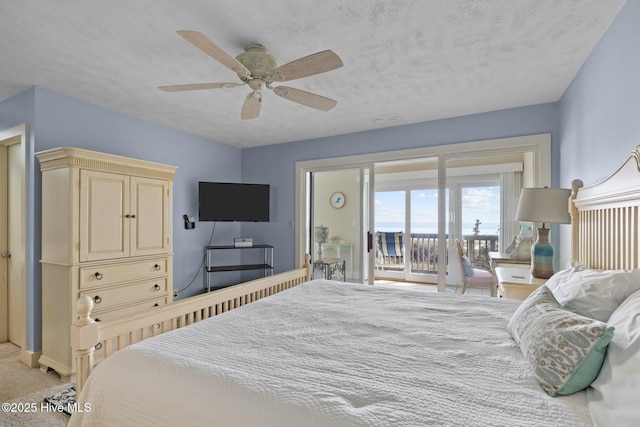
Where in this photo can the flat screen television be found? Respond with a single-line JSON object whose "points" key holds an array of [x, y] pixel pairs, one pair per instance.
{"points": [[223, 201]]}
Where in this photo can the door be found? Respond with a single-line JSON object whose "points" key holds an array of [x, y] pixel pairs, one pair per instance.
{"points": [[12, 237], [105, 216], [414, 213], [407, 203], [338, 223], [476, 211], [15, 267], [149, 216]]}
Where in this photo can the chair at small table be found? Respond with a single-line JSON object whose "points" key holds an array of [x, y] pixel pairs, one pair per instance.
{"points": [[472, 276]]}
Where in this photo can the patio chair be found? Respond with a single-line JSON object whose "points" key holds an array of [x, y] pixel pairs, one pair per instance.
{"points": [[391, 248], [472, 276]]}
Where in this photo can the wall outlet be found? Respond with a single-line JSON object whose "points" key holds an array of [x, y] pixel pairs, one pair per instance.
{"points": [[175, 293]]}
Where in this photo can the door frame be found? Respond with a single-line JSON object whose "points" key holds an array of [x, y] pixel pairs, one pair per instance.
{"points": [[539, 147], [14, 136]]}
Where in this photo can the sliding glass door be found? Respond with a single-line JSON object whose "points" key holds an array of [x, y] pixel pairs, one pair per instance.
{"points": [[423, 234], [409, 203], [477, 204], [411, 214], [423, 200], [390, 230], [338, 222]]}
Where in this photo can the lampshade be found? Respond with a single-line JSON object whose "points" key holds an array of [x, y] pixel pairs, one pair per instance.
{"points": [[322, 234], [544, 205]]}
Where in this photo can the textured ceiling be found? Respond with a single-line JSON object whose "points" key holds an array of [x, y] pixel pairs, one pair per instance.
{"points": [[405, 61]]}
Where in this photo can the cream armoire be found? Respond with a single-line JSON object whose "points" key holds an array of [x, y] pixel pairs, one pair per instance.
{"points": [[106, 233]]}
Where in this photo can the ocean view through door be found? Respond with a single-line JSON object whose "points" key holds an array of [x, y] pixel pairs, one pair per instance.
{"points": [[474, 185], [410, 218], [414, 214]]}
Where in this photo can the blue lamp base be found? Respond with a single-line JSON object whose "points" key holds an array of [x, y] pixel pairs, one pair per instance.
{"points": [[542, 253]]}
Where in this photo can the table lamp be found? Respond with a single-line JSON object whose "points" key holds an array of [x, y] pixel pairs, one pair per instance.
{"points": [[545, 205], [322, 236]]}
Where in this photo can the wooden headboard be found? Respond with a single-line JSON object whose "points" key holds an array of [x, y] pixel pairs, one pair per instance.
{"points": [[604, 219]]}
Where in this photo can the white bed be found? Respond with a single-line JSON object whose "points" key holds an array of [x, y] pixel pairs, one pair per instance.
{"points": [[326, 353], [333, 354]]}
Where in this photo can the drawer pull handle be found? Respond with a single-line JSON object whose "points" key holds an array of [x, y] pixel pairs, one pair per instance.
{"points": [[97, 299], [133, 216], [98, 346], [156, 305], [97, 319], [156, 287], [98, 275], [157, 267]]}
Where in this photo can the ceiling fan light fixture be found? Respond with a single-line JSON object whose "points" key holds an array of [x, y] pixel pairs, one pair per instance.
{"points": [[257, 60], [256, 84]]}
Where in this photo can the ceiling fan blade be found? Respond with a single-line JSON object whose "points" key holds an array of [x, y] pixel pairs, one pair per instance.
{"points": [[251, 107], [316, 63], [199, 86], [200, 41], [305, 98]]}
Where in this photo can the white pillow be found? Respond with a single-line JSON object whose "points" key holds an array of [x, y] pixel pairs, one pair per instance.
{"points": [[593, 293], [613, 398]]}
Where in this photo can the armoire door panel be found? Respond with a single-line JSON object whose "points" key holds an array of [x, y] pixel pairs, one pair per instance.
{"points": [[104, 215], [149, 228]]}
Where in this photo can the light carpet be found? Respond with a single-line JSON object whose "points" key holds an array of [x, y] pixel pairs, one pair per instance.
{"points": [[23, 413], [22, 385]]}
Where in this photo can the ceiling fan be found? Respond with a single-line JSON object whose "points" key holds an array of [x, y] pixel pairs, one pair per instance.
{"points": [[258, 69]]}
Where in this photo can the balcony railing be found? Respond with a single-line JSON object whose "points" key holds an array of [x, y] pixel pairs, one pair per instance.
{"points": [[422, 248]]}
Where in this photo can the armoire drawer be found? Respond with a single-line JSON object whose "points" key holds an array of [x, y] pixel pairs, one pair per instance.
{"points": [[117, 295], [129, 310], [101, 275]]}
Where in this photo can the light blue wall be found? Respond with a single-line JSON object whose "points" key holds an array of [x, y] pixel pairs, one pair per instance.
{"points": [[18, 109], [55, 120], [64, 121], [600, 111], [275, 164]]}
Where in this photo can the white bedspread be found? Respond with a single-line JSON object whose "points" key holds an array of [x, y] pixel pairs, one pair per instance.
{"points": [[332, 354]]}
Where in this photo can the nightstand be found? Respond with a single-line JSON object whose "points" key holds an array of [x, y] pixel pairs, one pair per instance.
{"points": [[501, 259], [516, 283]]}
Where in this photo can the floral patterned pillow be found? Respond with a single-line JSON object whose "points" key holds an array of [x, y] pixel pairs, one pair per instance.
{"points": [[566, 350]]}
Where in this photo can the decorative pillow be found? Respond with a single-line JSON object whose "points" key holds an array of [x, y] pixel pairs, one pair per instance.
{"points": [[566, 350], [593, 293], [613, 398], [467, 266]]}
